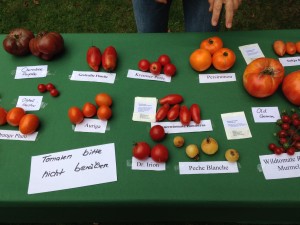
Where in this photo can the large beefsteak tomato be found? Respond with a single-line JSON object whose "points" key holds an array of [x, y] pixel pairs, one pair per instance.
{"points": [[262, 77], [291, 87]]}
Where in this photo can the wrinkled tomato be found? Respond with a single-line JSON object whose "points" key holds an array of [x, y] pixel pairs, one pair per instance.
{"points": [[291, 87]]}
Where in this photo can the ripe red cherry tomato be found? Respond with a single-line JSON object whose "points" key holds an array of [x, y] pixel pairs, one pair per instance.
{"points": [[160, 153], [141, 150], [164, 59], [54, 92], [157, 133], [155, 68], [42, 88], [144, 65], [169, 69], [50, 86]]}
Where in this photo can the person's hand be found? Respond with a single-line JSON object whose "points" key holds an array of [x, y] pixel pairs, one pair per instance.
{"points": [[215, 6], [162, 1]]}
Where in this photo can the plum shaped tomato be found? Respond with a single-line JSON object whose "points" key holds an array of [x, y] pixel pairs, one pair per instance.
{"points": [[14, 116], [75, 115], [29, 124]]}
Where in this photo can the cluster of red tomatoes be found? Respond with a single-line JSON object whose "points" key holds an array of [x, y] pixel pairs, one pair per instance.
{"points": [[48, 87], [17, 117], [212, 52], [280, 47], [103, 112]]}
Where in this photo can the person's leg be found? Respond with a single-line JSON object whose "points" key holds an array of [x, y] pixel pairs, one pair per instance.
{"points": [[151, 16], [197, 18]]}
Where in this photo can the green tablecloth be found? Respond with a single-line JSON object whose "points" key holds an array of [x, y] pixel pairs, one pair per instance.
{"points": [[145, 195]]}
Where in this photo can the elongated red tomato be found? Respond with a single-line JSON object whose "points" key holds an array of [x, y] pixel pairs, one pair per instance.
{"points": [[93, 58], [29, 124], [173, 112], [109, 59], [195, 113], [184, 115], [162, 112], [171, 99]]}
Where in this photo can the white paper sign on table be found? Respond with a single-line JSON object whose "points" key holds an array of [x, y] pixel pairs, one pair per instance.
{"points": [[91, 76], [17, 135], [136, 74], [177, 127], [265, 114], [213, 167], [251, 52], [73, 168], [30, 103], [217, 78], [290, 61], [280, 166], [147, 164], [91, 125], [144, 109], [24, 72]]}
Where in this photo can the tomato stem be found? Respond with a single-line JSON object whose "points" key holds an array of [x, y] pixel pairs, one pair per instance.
{"points": [[268, 71]]}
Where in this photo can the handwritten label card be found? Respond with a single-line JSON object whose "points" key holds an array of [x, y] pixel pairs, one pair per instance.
{"points": [[144, 109], [147, 164], [217, 78], [17, 135], [265, 114], [207, 167], [136, 74], [280, 166], [24, 72], [92, 126], [236, 126], [251, 52], [91, 76], [290, 61], [177, 127], [30, 103], [73, 168]]}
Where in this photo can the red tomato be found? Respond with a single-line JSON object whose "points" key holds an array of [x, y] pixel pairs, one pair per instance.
{"points": [[195, 113], [144, 65], [291, 87], [290, 48], [93, 58], [141, 150], [104, 112], [42, 88], [157, 133], [164, 59], [109, 59], [14, 116], [298, 46], [159, 153], [169, 69], [162, 112], [54, 92], [155, 68], [262, 77], [29, 124], [223, 59], [103, 99], [184, 115], [279, 47], [171, 99], [75, 115], [173, 112], [212, 44], [200, 60], [89, 109], [3, 114], [50, 86]]}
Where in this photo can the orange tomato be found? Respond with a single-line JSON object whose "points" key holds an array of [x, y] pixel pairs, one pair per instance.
{"points": [[75, 115], [290, 48], [103, 99], [212, 44], [279, 47], [104, 112], [3, 114], [298, 46], [223, 59], [14, 116], [29, 124], [89, 109], [200, 59]]}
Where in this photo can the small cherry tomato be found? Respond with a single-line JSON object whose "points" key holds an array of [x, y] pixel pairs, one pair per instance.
{"points": [[173, 112], [14, 116], [42, 88], [50, 86], [54, 92], [89, 109], [162, 112], [75, 115], [29, 124], [104, 112], [169, 69], [144, 65], [195, 113], [159, 153], [3, 114], [164, 59], [171, 99], [141, 150], [155, 68], [184, 115], [157, 133]]}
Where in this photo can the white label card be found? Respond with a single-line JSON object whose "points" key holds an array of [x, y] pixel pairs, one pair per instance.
{"points": [[217, 78], [236, 126], [136, 74], [207, 167], [91, 76], [177, 127], [290, 61], [72, 168], [251, 52], [17, 135], [280, 166], [30, 103], [147, 164], [24, 72], [265, 114], [144, 109], [91, 125]]}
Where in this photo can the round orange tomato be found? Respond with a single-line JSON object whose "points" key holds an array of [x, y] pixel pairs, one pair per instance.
{"points": [[104, 112], [29, 124], [262, 77], [3, 114], [291, 87], [212, 44], [200, 59], [75, 115], [14, 116], [298, 46], [223, 59], [89, 109], [103, 99], [290, 48]]}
